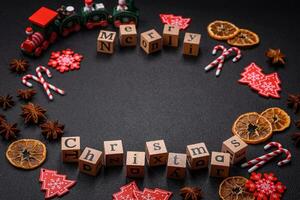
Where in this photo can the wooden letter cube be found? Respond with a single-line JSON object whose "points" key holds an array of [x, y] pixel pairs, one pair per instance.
{"points": [[156, 153], [176, 166], [113, 153], [236, 147], [106, 41], [70, 149], [127, 35], [151, 41], [191, 44], [219, 164], [197, 156], [135, 164], [90, 161], [170, 35]]}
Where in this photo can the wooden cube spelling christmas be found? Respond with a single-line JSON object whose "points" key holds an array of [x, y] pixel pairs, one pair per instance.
{"points": [[151, 41], [156, 153], [236, 147], [135, 164], [70, 149], [90, 161], [106, 41], [197, 156], [219, 164], [127, 35], [113, 153], [176, 166], [191, 44], [170, 35]]}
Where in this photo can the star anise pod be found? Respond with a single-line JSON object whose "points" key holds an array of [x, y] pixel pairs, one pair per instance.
{"points": [[19, 65], [52, 129], [191, 193], [9, 131], [296, 138], [293, 101], [26, 94], [33, 113], [275, 56], [6, 102]]}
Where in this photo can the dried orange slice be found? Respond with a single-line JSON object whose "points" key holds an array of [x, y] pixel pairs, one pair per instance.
{"points": [[26, 153], [233, 188], [222, 30], [279, 119], [252, 128], [244, 38]]}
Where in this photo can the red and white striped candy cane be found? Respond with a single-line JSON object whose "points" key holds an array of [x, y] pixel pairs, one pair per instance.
{"points": [[221, 59], [287, 159], [273, 144], [281, 163], [265, 157], [39, 78], [216, 61]]}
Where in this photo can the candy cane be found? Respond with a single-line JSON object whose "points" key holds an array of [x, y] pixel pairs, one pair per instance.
{"points": [[221, 59], [260, 161], [39, 78]]}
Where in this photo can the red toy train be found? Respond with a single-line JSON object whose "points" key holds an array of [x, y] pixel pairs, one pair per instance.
{"points": [[47, 24]]}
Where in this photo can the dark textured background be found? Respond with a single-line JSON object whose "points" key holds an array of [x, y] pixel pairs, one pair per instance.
{"points": [[135, 97]]}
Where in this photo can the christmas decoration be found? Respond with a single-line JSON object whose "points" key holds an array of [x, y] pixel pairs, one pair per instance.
{"points": [[179, 21], [54, 184], [26, 94], [8, 131], [275, 56], [191, 193], [65, 60], [265, 186], [39, 78]]}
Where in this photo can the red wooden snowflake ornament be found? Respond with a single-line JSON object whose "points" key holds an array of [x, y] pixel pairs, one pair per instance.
{"points": [[179, 21], [65, 60], [265, 187]]}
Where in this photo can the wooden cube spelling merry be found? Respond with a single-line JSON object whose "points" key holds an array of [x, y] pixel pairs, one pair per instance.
{"points": [[197, 156], [106, 41], [151, 41], [113, 153], [90, 161], [170, 35], [127, 35], [236, 147], [191, 44], [219, 164], [70, 149], [135, 164], [176, 166], [156, 153]]}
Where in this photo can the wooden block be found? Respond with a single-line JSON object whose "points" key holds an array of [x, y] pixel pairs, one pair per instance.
{"points": [[156, 153], [90, 161], [191, 44], [113, 153], [176, 165], [151, 41], [70, 149], [219, 164], [135, 164], [127, 35], [236, 147], [197, 156], [106, 41], [170, 35]]}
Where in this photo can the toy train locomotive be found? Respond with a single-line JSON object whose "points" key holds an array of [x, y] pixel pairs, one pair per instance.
{"points": [[47, 24]]}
